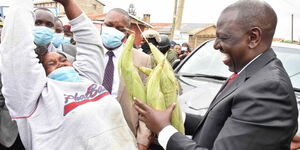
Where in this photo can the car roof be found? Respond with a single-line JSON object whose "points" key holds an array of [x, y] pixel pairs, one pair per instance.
{"points": [[287, 45]]}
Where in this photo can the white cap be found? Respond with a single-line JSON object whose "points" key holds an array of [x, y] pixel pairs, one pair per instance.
{"points": [[151, 34]]}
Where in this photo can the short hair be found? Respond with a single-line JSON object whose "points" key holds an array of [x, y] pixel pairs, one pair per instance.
{"points": [[121, 11], [255, 13]]}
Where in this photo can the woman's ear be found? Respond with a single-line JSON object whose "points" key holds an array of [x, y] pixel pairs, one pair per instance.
{"points": [[254, 37]]}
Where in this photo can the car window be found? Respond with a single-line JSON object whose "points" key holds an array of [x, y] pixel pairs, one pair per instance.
{"points": [[290, 58], [206, 61]]}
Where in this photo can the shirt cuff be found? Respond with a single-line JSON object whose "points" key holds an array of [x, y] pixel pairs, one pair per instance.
{"points": [[183, 114], [165, 134]]}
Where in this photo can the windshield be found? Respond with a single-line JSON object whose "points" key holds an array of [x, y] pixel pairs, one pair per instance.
{"points": [[208, 61]]}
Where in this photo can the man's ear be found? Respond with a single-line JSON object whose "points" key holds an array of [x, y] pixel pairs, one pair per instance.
{"points": [[254, 37]]}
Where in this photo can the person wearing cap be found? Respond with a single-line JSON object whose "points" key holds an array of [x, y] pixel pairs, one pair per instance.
{"points": [[164, 46], [151, 36]]}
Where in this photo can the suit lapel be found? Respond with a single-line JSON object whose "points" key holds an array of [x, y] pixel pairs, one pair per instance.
{"points": [[254, 67], [228, 90]]}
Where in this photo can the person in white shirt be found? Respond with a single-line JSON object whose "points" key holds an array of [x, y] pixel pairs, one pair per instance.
{"points": [[56, 104]]}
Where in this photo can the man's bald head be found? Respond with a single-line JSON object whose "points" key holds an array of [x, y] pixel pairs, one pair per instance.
{"points": [[117, 18], [255, 13]]}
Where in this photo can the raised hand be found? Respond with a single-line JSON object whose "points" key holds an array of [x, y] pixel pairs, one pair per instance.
{"points": [[71, 8]]}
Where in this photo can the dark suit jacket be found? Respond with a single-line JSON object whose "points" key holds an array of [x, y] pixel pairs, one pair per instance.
{"points": [[8, 128], [257, 111]]}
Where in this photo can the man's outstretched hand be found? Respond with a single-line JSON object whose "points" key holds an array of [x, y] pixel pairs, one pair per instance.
{"points": [[155, 120]]}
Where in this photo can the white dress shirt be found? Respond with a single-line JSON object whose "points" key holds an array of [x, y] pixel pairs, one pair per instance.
{"points": [[116, 80], [166, 133]]}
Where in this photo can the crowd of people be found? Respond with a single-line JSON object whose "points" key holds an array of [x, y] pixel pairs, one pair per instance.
{"points": [[61, 89], [172, 49]]}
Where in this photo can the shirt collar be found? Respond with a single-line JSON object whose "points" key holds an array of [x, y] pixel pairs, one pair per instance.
{"points": [[117, 51], [248, 64]]}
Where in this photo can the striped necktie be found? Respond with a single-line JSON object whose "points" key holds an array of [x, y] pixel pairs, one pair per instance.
{"points": [[231, 78], [109, 72]]}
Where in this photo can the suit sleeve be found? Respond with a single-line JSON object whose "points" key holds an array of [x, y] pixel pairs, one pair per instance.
{"points": [[262, 118]]}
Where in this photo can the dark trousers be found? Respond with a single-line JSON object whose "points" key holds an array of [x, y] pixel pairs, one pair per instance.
{"points": [[16, 146]]}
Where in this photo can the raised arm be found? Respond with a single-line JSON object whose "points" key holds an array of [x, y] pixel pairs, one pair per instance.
{"points": [[89, 58], [22, 76]]}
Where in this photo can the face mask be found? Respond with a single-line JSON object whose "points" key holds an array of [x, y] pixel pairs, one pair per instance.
{"points": [[111, 37], [184, 49], [42, 35], [66, 40], [67, 74], [57, 39]]}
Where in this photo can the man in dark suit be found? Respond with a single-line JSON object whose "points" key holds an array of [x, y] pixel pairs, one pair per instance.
{"points": [[256, 108]]}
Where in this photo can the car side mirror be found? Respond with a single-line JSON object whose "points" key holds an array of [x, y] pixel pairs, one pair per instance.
{"points": [[175, 63]]}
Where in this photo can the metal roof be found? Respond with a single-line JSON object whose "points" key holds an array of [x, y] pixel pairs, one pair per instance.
{"points": [[190, 28]]}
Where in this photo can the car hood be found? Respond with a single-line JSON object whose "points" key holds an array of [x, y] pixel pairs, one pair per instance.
{"points": [[197, 93]]}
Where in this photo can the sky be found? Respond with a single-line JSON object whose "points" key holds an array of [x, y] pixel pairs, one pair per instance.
{"points": [[208, 11]]}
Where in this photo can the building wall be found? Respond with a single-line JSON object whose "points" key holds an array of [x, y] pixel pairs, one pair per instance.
{"points": [[91, 7], [197, 39]]}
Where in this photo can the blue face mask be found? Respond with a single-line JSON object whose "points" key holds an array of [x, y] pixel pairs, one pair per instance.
{"points": [[42, 35], [184, 49], [66, 40], [111, 37], [57, 39], [67, 74]]}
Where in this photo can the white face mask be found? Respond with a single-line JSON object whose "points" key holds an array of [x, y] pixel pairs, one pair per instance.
{"points": [[111, 37], [184, 49]]}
